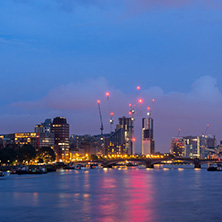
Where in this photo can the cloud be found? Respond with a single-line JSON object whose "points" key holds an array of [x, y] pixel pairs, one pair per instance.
{"points": [[189, 111], [129, 5], [205, 89], [10, 40], [78, 95]]}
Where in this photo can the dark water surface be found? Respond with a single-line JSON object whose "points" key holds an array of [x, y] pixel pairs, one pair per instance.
{"points": [[113, 195]]}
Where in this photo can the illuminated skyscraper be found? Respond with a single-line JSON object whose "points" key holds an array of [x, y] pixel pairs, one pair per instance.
{"points": [[60, 128], [148, 143]]}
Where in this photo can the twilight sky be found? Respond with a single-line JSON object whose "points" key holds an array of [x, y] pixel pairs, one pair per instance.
{"points": [[57, 57]]}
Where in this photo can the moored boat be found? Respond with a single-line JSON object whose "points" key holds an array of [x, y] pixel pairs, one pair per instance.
{"points": [[81, 166], [33, 170], [95, 166], [214, 167], [69, 167]]}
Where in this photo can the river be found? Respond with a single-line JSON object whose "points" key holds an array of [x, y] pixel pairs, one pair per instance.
{"points": [[108, 195]]}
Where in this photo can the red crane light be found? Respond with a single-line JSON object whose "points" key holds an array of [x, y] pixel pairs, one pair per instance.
{"points": [[107, 94], [98, 101], [130, 113], [130, 105], [133, 139], [138, 87], [111, 114], [140, 101], [148, 108], [153, 100]]}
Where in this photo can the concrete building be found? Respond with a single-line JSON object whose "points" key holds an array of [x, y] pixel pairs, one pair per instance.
{"points": [[178, 147], [60, 129], [121, 141], [27, 138], [87, 144], [193, 146], [46, 137]]}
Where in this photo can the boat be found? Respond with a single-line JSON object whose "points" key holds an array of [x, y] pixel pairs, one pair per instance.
{"points": [[215, 167], [51, 169], [81, 166], [33, 170], [69, 167], [13, 171], [95, 166]]}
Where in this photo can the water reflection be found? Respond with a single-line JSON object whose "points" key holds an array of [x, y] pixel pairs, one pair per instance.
{"points": [[112, 195], [140, 198]]}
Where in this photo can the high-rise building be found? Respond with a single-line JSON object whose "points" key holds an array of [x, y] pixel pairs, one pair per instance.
{"points": [[46, 137], [121, 141], [60, 128], [148, 143]]}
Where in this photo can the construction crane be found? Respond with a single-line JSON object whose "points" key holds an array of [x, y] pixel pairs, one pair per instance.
{"points": [[136, 104], [178, 134], [100, 115], [205, 132], [110, 113]]}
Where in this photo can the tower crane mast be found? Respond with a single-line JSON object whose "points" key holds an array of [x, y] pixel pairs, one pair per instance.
{"points": [[110, 113], [100, 115], [178, 134], [206, 130]]}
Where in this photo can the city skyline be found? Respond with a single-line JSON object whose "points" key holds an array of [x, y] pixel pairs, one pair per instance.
{"points": [[51, 69]]}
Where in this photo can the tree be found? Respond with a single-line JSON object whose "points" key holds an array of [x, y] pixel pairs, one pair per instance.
{"points": [[46, 154], [93, 157], [26, 152], [13, 146], [7, 155]]}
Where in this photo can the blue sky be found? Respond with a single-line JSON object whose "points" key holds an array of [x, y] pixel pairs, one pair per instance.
{"points": [[57, 57]]}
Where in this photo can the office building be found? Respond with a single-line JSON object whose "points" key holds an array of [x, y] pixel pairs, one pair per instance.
{"points": [[193, 146], [46, 137], [178, 147], [27, 138], [60, 129], [121, 141]]}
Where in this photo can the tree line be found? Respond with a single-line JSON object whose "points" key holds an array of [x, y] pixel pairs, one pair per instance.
{"points": [[26, 154]]}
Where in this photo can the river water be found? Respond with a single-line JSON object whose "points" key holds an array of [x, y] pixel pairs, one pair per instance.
{"points": [[106, 195]]}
